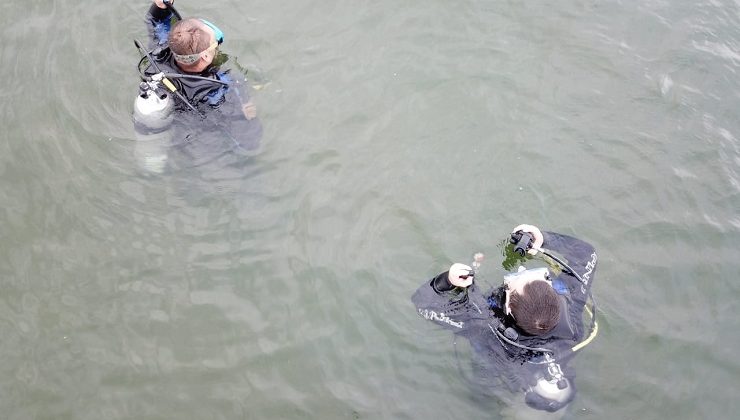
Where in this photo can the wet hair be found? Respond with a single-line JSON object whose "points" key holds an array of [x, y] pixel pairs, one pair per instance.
{"points": [[537, 309], [189, 37]]}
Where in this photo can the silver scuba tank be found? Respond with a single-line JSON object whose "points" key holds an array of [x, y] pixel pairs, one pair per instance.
{"points": [[153, 116], [152, 111], [553, 386]]}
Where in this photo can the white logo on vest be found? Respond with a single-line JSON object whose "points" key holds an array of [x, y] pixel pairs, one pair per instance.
{"points": [[441, 317]]}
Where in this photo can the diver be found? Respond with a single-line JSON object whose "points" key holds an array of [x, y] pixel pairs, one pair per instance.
{"points": [[185, 93], [525, 331]]}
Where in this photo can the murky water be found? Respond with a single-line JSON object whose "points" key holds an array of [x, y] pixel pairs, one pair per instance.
{"points": [[398, 137]]}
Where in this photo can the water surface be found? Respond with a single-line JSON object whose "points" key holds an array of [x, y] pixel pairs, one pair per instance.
{"points": [[399, 137]]}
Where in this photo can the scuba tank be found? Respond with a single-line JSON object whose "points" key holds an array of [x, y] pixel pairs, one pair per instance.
{"points": [[150, 150], [153, 116], [551, 390], [153, 108]]}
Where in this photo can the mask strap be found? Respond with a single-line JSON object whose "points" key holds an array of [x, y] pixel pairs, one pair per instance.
{"points": [[217, 32]]}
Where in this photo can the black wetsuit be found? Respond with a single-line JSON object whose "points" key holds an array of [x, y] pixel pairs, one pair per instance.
{"points": [[475, 315], [220, 107]]}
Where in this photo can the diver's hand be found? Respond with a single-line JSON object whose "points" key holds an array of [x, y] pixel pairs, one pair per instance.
{"points": [[249, 110], [460, 275], [160, 3], [536, 233]]}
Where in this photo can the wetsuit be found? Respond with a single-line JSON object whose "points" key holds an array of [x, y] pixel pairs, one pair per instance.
{"points": [[220, 106], [544, 377]]}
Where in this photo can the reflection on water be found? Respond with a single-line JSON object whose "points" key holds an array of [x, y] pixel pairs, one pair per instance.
{"points": [[184, 279]]}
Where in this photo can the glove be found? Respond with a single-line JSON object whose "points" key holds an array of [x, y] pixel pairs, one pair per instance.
{"points": [[460, 275]]}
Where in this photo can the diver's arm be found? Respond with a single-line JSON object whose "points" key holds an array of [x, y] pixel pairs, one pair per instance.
{"points": [[440, 283], [240, 87], [158, 13], [579, 255], [433, 303], [429, 294], [158, 23], [249, 109]]}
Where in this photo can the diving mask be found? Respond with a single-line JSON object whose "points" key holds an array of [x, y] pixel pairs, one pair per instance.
{"points": [[218, 33]]}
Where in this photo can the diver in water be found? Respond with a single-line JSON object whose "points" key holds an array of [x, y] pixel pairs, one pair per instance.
{"points": [[183, 85], [525, 331]]}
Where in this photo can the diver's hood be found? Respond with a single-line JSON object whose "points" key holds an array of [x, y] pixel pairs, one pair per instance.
{"points": [[563, 329], [531, 274]]}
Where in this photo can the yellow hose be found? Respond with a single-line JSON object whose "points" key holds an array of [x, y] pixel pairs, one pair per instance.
{"points": [[591, 336]]}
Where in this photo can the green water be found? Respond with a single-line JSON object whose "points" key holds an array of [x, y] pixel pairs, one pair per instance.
{"points": [[399, 137]]}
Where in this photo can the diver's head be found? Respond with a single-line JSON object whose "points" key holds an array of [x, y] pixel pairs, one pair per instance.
{"points": [[193, 43], [531, 301]]}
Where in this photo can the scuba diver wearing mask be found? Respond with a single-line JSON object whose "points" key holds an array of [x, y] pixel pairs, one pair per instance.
{"points": [[181, 71], [525, 331]]}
